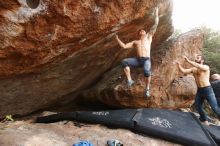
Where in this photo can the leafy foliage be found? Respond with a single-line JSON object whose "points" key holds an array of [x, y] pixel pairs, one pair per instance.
{"points": [[212, 59], [8, 118], [176, 33], [211, 49]]}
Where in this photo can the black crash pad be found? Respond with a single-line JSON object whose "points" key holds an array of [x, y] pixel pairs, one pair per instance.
{"points": [[175, 126], [214, 132]]}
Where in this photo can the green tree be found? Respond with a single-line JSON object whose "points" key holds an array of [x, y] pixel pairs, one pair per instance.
{"points": [[176, 33], [211, 49]]}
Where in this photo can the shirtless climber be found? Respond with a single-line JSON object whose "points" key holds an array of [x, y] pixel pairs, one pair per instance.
{"points": [[143, 47], [201, 74]]}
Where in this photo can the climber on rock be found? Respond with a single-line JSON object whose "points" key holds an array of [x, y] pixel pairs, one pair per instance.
{"points": [[143, 47], [201, 74]]}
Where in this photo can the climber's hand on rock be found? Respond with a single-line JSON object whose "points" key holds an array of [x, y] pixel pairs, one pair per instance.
{"points": [[186, 58], [116, 36], [156, 11]]}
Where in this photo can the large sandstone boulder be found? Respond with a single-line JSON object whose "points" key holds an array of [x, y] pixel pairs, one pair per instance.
{"points": [[169, 88], [56, 48]]}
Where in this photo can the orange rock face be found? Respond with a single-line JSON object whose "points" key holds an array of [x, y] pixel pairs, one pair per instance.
{"points": [[169, 88], [55, 30], [56, 48]]}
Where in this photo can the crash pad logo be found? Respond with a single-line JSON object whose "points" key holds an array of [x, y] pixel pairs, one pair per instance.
{"points": [[100, 113], [160, 122]]}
